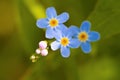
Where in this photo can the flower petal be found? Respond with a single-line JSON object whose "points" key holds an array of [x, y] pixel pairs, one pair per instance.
{"points": [[58, 34], [65, 51], [63, 17], [94, 36], [85, 26], [55, 45], [73, 30], [63, 29], [42, 23], [86, 47], [49, 33], [51, 12], [74, 43]]}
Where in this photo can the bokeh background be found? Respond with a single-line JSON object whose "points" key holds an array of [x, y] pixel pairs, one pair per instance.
{"points": [[19, 37]]}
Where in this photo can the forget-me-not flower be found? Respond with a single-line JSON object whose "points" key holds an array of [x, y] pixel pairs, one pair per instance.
{"points": [[52, 22], [85, 36], [64, 41]]}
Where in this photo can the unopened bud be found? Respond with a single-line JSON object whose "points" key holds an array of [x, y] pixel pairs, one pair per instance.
{"points": [[34, 58], [43, 44], [38, 51], [44, 52]]}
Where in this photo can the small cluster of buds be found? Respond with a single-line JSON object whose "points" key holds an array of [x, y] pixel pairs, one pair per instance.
{"points": [[34, 58], [42, 48]]}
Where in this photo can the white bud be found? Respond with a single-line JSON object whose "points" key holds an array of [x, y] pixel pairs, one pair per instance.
{"points": [[38, 51], [42, 44], [44, 52]]}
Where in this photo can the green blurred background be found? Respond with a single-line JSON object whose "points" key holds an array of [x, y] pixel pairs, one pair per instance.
{"points": [[19, 38]]}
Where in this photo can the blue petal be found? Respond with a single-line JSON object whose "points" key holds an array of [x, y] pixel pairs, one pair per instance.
{"points": [[63, 17], [85, 26], [49, 33], [55, 45], [65, 51], [73, 31], [63, 29], [94, 36], [74, 43], [42, 23], [58, 34], [51, 12], [86, 47]]}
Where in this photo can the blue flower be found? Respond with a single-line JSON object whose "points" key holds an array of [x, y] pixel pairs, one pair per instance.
{"points": [[52, 22], [64, 41], [85, 36]]}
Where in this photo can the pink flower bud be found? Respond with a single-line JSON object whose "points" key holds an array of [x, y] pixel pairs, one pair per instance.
{"points": [[38, 51], [44, 52], [42, 44]]}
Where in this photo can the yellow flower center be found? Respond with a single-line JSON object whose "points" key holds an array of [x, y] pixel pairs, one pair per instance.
{"points": [[64, 41], [83, 36], [53, 22]]}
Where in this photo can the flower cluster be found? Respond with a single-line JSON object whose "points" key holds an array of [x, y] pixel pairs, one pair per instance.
{"points": [[42, 48], [65, 38]]}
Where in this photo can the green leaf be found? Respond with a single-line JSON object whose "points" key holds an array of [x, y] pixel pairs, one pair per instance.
{"points": [[105, 18]]}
